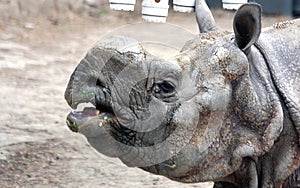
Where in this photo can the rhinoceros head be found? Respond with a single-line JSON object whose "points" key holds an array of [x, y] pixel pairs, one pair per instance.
{"points": [[171, 117]]}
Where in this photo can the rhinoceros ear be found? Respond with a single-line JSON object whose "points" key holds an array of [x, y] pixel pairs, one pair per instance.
{"points": [[247, 25]]}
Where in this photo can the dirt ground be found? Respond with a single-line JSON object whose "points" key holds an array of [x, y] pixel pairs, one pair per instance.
{"points": [[36, 59]]}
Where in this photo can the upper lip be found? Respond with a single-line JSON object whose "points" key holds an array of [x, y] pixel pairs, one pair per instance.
{"points": [[88, 91], [99, 97]]}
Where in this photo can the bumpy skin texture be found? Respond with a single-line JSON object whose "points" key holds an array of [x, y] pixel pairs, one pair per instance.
{"points": [[282, 54], [226, 109]]}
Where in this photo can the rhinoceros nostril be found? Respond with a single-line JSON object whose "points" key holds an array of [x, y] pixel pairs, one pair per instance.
{"points": [[99, 83]]}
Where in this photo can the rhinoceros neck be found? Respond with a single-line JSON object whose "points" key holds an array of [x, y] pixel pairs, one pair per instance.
{"points": [[258, 105], [280, 48], [259, 114]]}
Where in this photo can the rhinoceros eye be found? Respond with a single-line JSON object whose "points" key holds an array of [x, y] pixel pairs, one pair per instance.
{"points": [[166, 87], [165, 90]]}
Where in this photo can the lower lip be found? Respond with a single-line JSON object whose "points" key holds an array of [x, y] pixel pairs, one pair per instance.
{"points": [[76, 121]]}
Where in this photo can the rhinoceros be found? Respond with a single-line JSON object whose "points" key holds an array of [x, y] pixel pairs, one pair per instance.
{"points": [[225, 109]]}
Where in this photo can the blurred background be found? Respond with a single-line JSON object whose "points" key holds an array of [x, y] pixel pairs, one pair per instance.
{"points": [[60, 9]]}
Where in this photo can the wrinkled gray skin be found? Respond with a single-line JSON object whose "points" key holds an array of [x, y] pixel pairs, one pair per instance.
{"points": [[226, 109]]}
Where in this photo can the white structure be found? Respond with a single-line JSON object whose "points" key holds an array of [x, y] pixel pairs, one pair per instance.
{"points": [[126, 5], [233, 4], [184, 5], [157, 10]]}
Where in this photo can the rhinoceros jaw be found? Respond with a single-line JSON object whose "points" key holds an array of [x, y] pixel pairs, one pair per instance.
{"points": [[85, 116]]}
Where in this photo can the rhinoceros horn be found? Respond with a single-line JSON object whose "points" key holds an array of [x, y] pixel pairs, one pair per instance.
{"points": [[205, 19]]}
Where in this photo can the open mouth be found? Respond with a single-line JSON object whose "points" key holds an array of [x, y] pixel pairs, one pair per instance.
{"points": [[78, 119]]}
